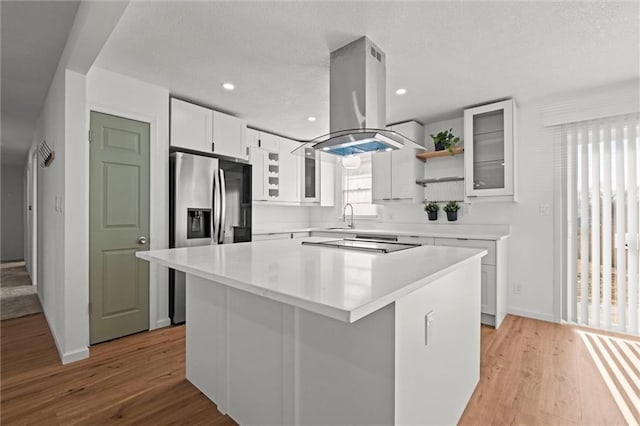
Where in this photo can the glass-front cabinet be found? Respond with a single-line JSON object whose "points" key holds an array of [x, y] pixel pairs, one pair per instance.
{"points": [[310, 176], [489, 133]]}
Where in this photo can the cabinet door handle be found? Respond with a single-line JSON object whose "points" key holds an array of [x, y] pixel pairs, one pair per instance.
{"points": [[428, 319], [463, 239], [213, 147]]}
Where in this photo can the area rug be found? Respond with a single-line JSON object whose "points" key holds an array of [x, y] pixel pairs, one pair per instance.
{"points": [[17, 296]]}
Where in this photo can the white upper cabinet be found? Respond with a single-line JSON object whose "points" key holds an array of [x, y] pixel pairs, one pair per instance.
{"points": [[202, 129], [289, 171], [489, 158], [327, 179], [381, 176], [191, 126], [228, 134], [269, 142], [280, 176], [394, 174], [310, 175]]}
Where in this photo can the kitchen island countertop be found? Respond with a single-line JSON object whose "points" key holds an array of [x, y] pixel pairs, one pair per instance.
{"points": [[342, 284]]}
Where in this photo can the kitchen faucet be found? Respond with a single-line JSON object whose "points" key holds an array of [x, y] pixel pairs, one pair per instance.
{"points": [[344, 215]]}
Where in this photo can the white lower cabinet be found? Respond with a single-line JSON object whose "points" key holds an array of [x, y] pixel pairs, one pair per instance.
{"points": [[494, 276], [414, 239], [488, 294]]}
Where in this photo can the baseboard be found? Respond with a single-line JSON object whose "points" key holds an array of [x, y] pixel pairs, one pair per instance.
{"points": [[52, 330], [164, 322], [531, 314], [65, 357], [76, 355]]}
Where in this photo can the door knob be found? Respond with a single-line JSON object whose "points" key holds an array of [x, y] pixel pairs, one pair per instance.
{"points": [[142, 240]]}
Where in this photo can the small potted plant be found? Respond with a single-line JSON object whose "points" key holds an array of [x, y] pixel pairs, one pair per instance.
{"points": [[432, 210], [452, 211], [445, 140]]}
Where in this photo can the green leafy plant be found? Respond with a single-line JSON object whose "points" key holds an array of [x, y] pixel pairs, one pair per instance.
{"points": [[445, 140], [431, 207], [451, 206]]}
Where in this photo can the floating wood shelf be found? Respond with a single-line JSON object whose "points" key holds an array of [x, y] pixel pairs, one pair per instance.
{"points": [[435, 154]]}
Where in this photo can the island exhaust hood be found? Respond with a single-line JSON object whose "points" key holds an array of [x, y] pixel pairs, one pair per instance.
{"points": [[357, 101]]}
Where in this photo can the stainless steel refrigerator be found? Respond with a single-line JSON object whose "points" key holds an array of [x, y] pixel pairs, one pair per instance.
{"points": [[210, 203]]}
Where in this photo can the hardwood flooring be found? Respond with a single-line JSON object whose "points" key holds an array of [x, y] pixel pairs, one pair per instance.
{"points": [[532, 372], [136, 379], [541, 373]]}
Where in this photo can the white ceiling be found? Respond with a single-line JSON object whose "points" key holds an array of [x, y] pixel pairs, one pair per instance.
{"points": [[448, 55], [33, 37]]}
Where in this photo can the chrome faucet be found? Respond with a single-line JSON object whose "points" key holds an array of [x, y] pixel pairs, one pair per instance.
{"points": [[344, 215]]}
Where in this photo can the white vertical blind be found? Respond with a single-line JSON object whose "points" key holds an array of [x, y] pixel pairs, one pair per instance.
{"points": [[572, 212], [584, 223], [620, 225], [606, 226], [602, 177], [631, 156], [594, 184]]}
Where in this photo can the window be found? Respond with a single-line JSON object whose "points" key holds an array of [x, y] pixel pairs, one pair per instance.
{"points": [[356, 188]]}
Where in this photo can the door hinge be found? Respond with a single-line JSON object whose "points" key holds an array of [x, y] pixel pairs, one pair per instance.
{"points": [[89, 136]]}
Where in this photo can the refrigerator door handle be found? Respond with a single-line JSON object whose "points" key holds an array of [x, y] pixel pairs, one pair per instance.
{"points": [[215, 218], [223, 207]]}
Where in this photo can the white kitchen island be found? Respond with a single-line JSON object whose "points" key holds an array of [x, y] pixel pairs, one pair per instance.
{"points": [[284, 333]]}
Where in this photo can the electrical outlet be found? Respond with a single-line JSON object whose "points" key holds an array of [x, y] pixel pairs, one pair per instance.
{"points": [[544, 209], [517, 288]]}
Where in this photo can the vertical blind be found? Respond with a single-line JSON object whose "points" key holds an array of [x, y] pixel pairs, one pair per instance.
{"points": [[602, 179]]}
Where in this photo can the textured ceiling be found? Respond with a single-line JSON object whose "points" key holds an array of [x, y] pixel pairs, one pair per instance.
{"points": [[33, 36], [448, 55]]}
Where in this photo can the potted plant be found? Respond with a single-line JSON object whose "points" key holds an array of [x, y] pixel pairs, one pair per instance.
{"points": [[452, 211], [432, 210], [445, 140]]}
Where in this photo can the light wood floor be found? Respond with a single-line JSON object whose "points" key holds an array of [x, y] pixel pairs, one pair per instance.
{"points": [[532, 372]]}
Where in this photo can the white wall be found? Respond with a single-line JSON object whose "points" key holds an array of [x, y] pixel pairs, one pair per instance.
{"points": [[50, 221], [12, 202], [62, 188], [533, 228], [273, 217], [123, 96]]}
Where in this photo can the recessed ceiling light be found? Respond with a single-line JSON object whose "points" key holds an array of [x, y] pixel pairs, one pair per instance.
{"points": [[388, 149], [326, 148], [311, 118], [401, 91], [228, 86]]}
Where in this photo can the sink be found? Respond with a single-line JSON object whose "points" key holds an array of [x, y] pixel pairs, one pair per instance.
{"points": [[363, 245]]}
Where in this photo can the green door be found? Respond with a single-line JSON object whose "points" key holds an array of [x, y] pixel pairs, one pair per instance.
{"points": [[118, 227]]}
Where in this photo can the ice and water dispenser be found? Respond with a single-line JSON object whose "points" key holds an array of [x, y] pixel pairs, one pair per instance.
{"points": [[198, 223]]}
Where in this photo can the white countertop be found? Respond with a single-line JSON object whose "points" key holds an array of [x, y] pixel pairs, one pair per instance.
{"points": [[342, 284], [473, 233]]}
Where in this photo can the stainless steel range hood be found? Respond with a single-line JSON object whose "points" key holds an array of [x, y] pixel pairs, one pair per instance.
{"points": [[357, 101]]}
